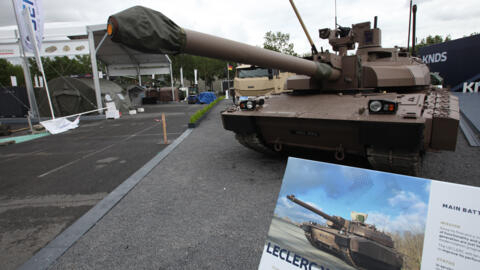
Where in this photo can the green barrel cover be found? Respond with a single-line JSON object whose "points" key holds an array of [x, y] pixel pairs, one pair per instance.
{"points": [[148, 31]]}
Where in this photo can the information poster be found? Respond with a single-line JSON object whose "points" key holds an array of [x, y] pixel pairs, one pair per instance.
{"points": [[333, 217]]}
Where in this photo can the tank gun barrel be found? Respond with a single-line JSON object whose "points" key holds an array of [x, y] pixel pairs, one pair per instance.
{"points": [[149, 31], [311, 208]]}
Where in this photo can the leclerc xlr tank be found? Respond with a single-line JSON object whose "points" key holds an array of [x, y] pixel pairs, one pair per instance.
{"points": [[377, 103], [357, 243]]}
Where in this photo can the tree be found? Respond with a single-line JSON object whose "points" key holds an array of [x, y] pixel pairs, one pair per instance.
{"points": [[7, 69], [208, 68], [278, 42], [63, 66], [430, 40]]}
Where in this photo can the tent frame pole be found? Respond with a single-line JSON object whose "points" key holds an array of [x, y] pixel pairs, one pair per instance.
{"points": [[93, 58]]}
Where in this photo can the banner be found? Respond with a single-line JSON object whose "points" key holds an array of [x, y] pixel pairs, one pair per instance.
{"points": [[50, 48], [34, 8], [60, 125], [333, 217]]}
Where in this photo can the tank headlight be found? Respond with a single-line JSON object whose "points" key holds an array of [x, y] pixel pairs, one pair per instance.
{"points": [[375, 106], [382, 106], [248, 104], [251, 104]]}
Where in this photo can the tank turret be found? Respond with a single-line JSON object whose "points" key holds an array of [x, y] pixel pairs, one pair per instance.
{"points": [[377, 103], [357, 243]]}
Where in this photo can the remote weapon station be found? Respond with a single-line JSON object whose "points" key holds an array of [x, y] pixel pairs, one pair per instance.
{"points": [[377, 103], [357, 243]]}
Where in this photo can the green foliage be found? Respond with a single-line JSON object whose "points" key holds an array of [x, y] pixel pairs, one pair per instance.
{"points": [[63, 66], [7, 69], [430, 40], [198, 114], [208, 68], [278, 42], [472, 34]]}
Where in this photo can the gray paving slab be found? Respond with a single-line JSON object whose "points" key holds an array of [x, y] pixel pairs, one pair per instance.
{"points": [[209, 204]]}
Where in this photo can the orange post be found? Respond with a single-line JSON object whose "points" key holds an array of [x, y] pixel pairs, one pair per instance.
{"points": [[164, 124]]}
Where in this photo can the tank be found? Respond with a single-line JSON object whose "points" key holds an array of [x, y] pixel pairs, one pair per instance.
{"points": [[355, 242], [377, 103]]}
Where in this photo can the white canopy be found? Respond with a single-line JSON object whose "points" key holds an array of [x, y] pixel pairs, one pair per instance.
{"points": [[123, 61]]}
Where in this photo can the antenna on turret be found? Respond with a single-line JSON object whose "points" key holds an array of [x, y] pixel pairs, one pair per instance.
{"points": [[409, 25], [335, 14], [414, 26], [314, 49]]}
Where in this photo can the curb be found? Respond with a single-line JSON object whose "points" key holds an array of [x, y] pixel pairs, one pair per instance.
{"points": [[58, 246]]}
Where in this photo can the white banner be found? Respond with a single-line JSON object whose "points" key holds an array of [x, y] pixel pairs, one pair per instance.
{"points": [[60, 125], [34, 8]]}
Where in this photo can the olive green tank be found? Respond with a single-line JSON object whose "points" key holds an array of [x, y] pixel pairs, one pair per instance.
{"points": [[357, 243], [377, 103]]}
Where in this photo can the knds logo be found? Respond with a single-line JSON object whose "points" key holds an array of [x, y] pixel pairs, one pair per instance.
{"points": [[435, 58]]}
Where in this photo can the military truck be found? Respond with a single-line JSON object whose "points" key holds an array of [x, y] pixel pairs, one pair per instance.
{"points": [[253, 81]]}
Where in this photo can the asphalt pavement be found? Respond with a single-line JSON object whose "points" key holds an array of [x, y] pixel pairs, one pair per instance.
{"points": [[48, 183], [209, 205]]}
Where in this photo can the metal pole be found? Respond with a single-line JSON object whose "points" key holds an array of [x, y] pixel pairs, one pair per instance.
{"points": [[26, 70], [228, 80], [139, 75], [181, 76], [93, 59], [171, 77], [28, 21]]}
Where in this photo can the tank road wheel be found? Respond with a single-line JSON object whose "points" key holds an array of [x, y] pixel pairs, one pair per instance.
{"points": [[397, 161], [253, 142]]}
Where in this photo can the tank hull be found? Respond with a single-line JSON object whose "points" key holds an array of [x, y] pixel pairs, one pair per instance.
{"points": [[343, 125], [356, 251]]}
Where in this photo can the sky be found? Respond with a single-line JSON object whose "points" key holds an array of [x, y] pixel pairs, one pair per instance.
{"points": [[248, 20], [394, 203]]}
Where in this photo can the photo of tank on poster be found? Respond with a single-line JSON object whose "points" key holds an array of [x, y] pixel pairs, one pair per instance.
{"points": [[337, 217]]}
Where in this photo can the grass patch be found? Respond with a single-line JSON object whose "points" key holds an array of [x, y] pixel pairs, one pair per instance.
{"points": [[198, 114]]}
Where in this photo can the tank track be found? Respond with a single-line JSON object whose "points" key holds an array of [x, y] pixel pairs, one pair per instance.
{"points": [[397, 161], [253, 142], [403, 162], [347, 257]]}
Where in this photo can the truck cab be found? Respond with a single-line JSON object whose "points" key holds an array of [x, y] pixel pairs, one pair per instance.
{"points": [[252, 81]]}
